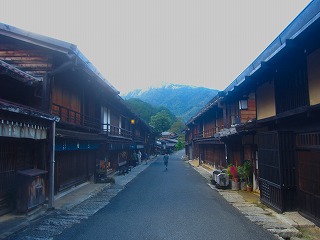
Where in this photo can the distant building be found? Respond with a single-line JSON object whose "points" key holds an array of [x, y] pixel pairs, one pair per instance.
{"points": [[167, 142], [169, 135]]}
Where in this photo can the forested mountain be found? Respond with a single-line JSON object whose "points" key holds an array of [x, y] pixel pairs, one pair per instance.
{"points": [[146, 110], [184, 101], [160, 118]]}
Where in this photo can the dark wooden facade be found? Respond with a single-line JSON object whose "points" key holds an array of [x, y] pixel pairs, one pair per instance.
{"points": [[43, 80], [277, 169], [24, 140], [24, 127], [308, 166], [279, 129], [201, 137], [214, 130]]}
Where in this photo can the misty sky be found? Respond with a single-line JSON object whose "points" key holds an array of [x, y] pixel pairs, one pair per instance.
{"points": [[138, 43]]}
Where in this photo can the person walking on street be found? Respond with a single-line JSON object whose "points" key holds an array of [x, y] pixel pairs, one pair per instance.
{"points": [[146, 157], [135, 158], [139, 157], [165, 160]]}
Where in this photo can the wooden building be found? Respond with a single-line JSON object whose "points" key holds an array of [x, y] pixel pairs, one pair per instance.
{"points": [[202, 140], [279, 131], [44, 80], [214, 134]]}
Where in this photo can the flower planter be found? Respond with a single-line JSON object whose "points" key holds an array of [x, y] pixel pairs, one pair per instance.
{"points": [[235, 186], [243, 186], [249, 188]]}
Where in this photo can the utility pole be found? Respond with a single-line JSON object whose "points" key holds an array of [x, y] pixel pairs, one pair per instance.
{"points": [[51, 167]]}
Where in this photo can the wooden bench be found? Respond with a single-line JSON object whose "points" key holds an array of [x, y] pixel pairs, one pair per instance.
{"points": [[123, 168]]}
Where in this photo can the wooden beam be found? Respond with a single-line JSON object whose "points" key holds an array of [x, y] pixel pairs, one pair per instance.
{"points": [[21, 53], [34, 65], [46, 85], [17, 73], [64, 67]]}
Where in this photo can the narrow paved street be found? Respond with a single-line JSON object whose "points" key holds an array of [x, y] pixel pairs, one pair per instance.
{"points": [[157, 204]]}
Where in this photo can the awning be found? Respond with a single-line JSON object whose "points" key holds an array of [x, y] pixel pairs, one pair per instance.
{"points": [[62, 133], [17, 73], [25, 110]]}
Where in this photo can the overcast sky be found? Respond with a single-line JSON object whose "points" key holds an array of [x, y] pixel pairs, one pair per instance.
{"points": [[141, 43]]}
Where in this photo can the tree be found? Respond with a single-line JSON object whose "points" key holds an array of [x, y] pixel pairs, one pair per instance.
{"points": [[146, 111], [180, 144], [170, 115], [160, 122], [177, 127], [142, 109]]}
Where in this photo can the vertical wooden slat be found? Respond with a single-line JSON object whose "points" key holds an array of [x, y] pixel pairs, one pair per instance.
{"points": [[308, 154], [73, 168]]}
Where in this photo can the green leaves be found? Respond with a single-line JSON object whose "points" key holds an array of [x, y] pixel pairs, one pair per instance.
{"points": [[142, 109], [184, 101], [177, 127], [160, 118], [161, 122], [180, 144]]}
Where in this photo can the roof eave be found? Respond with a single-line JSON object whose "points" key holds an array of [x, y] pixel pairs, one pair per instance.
{"points": [[307, 17], [55, 45]]}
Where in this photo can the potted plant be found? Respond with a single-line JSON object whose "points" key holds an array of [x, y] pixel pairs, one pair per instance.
{"points": [[234, 173], [249, 187], [235, 184], [246, 170], [242, 177]]}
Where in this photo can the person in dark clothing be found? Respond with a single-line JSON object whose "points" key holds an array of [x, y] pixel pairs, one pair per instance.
{"points": [[165, 160], [135, 158], [146, 157]]}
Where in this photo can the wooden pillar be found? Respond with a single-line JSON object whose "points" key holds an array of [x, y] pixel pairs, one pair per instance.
{"points": [[47, 85], [51, 166], [224, 116]]}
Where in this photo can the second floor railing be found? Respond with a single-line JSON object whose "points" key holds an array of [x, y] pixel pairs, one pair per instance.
{"points": [[208, 132], [75, 118], [115, 131]]}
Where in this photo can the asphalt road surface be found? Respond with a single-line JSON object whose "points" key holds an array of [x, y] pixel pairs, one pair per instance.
{"points": [[173, 204]]}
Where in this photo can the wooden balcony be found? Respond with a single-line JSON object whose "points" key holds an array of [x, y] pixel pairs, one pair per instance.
{"points": [[81, 121], [208, 133], [114, 131], [71, 117]]}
